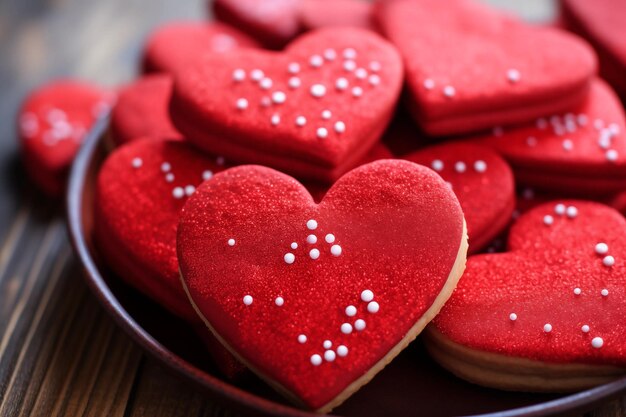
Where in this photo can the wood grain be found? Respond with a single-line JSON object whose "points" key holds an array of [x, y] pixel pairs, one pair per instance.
{"points": [[60, 354]]}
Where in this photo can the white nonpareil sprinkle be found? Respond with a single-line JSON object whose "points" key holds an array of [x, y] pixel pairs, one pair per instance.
{"points": [[239, 75], [480, 166], [359, 325], [289, 258], [231, 242], [341, 84], [513, 75], [342, 351], [608, 260], [577, 291], [293, 68], [247, 300], [548, 220], [512, 316], [604, 292], [318, 90], [340, 127], [279, 301], [597, 342], [449, 91], [257, 74], [437, 165], [326, 114], [329, 356], [311, 239], [367, 296], [350, 311], [300, 121], [279, 97], [357, 91], [373, 307], [137, 162], [266, 83], [178, 192], [547, 327], [346, 328], [460, 167], [314, 254], [316, 61], [316, 360], [302, 338], [322, 132], [207, 175], [602, 248], [429, 84], [242, 104], [294, 82], [311, 224], [585, 328]]}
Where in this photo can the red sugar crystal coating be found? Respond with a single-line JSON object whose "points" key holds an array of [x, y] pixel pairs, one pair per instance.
{"points": [[485, 68], [315, 14], [313, 111], [397, 228], [552, 274]]}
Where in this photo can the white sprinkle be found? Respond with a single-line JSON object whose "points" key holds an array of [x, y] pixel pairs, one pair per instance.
{"points": [[169, 177], [548, 220], [56, 115], [359, 325], [275, 120], [547, 327], [330, 238], [350, 311], [289, 258], [571, 212], [207, 175], [300, 121], [480, 166], [326, 114], [322, 132], [360, 73], [349, 66], [437, 165], [341, 83], [614, 129], [577, 291], [568, 145], [604, 292], [597, 342], [330, 54], [294, 82], [318, 90], [560, 209], [329, 355], [357, 91], [340, 127], [602, 248], [335, 250], [367, 296], [582, 119], [314, 254], [429, 84], [531, 141], [302, 339], [279, 97], [374, 79], [293, 68], [585, 328], [512, 316], [266, 83], [349, 53], [279, 301], [346, 328], [460, 167], [608, 260], [375, 66], [257, 74], [166, 167], [449, 91], [239, 75], [342, 351], [611, 155], [247, 300], [137, 162], [316, 360], [327, 344], [231, 242], [373, 307], [311, 239], [178, 192], [316, 61], [294, 245], [311, 224], [513, 75], [242, 104], [189, 190]]}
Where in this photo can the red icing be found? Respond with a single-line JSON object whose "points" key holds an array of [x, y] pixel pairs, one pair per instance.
{"points": [[52, 123], [141, 111], [399, 227], [272, 22], [483, 184], [204, 103], [315, 14], [536, 280], [474, 55], [583, 167], [175, 45]]}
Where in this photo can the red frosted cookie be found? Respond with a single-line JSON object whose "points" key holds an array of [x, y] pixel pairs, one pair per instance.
{"points": [[601, 22], [313, 111], [272, 22], [549, 314], [476, 73], [175, 45], [581, 152], [315, 14], [281, 280], [52, 123], [142, 112], [481, 180]]}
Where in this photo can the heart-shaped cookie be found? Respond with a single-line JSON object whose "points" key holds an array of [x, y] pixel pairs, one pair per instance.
{"points": [[175, 45], [579, 152], [317, 298], [484, 68], [272, 22], [316, 14], [51, 126], [548, 315], [481, 180], [313, 110], [142, 110]]}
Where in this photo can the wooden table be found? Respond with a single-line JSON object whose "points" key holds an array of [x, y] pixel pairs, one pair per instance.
{"points": [[60, 354]]}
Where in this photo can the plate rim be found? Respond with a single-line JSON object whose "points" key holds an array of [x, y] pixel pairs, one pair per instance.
{"points": [[241, 399]]}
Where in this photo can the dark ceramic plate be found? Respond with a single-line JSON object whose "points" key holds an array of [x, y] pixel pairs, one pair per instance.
{"points": [[411, 385]]}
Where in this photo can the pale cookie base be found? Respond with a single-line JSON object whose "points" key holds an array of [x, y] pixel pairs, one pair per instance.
{"points": [[514, 373], [453, 278]]}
